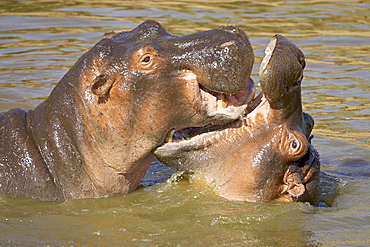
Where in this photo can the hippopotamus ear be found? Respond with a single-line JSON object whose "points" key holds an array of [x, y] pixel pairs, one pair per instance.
{"points": [[101, 87], [109, 35]]}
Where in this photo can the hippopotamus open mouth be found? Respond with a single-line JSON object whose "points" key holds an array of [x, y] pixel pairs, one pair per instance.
{"points": [[264, 155]]}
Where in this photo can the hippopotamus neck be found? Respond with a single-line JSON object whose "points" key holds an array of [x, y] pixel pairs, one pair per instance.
{"points": [[71, 141]]}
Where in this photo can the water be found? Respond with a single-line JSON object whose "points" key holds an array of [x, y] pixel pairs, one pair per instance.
{"points": [[39, 42]]}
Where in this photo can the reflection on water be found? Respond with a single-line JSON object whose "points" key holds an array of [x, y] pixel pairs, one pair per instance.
{"points": [[40, 41]]}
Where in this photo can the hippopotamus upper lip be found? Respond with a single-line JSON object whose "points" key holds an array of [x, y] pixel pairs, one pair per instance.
{"points": [[232, 102]]}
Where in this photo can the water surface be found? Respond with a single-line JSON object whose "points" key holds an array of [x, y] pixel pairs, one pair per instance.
{"points": [[41, 40]]}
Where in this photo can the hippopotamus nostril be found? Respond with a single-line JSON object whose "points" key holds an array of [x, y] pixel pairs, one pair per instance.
{"points": [[149, 29], [109, 35], [228, 43]]}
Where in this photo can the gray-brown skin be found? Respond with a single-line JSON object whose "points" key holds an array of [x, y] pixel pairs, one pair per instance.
{"points": [[95, 134], [266, 155]]}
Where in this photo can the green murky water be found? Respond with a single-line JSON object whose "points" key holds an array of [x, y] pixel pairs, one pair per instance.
{"points": [[40, 40]]}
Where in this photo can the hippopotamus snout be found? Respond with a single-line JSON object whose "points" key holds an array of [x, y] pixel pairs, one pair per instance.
{"points": [[221, 59]]}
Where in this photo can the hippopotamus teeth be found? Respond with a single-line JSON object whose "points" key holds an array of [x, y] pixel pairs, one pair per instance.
{"points": [[224, 101], [185, 134], [188, 133], [169, 135]]}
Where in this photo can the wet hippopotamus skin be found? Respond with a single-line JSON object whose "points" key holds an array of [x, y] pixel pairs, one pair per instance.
{"points": [[267, 154], [94, 135]]}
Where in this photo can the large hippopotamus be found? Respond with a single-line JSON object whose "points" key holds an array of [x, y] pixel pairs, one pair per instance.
{"points": [[266, 155], [94, 135]]}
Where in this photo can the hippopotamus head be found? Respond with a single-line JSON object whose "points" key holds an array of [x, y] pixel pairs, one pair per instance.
{"points": [[148, 82], [157, 71], [266, 154]]}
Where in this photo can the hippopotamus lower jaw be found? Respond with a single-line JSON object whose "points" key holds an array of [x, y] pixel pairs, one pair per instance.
{"points": [[281, 73]]}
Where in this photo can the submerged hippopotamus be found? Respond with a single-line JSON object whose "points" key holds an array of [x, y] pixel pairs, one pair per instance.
{"points": [[266, 155], [95, 134]]}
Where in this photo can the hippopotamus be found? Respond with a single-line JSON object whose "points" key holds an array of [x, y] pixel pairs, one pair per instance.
{"points": [[95, 134], [266, 155]]}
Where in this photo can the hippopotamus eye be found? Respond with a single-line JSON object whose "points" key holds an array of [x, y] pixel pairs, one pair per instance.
{"points": [[294, 144], [146, 59]]}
